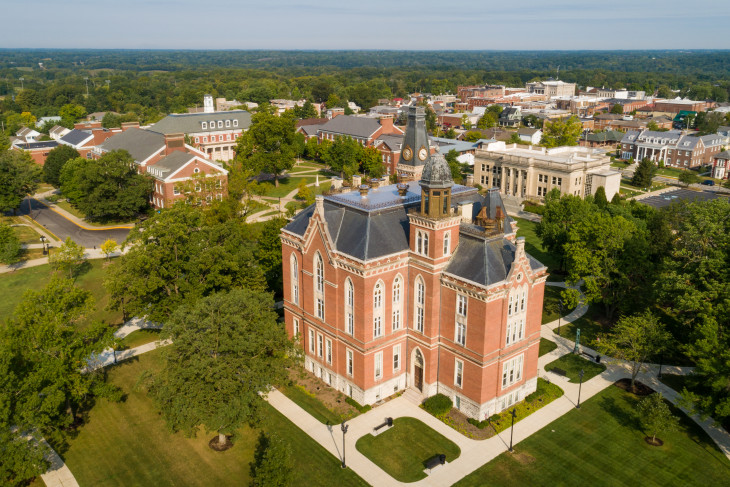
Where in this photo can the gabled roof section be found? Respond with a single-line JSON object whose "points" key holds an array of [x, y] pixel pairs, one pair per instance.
{"points": [[167, 167], [141, 144], [76, 138], [362, 127], [186, 123]]}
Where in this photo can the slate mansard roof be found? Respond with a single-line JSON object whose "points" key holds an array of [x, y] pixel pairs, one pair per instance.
{"points": [[377, 226], [187, 123]]}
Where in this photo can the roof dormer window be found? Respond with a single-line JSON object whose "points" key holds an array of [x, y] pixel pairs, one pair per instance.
{"points": [[220, 124], [235, 123], [228, 123], [204, 125]]}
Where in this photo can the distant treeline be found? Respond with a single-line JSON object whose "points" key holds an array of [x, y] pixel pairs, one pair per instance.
{"points": [[150, 83]]}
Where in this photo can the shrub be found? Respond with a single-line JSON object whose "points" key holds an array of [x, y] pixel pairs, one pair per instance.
{"points": [[438, 405], [356, 405], [532, 208]]}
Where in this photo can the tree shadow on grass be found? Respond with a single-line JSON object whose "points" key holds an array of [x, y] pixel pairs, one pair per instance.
{"points": [[623, 410]]}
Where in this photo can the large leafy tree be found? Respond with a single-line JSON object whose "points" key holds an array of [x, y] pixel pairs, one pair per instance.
{"points": [[108, 189], [268, 253], [635, 339], [270, 144], [10, 248], [50, 339], [343, 156], [560, 215], [644, 173], [178, 256], [272, 464], [655, 416], [371, 162], [695, 287], [19, 176], [68, 257], [228, 349], [55, 161], [562, 132]]}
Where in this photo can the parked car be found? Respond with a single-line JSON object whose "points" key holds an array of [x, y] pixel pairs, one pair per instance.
{"points": [[708, 182]]}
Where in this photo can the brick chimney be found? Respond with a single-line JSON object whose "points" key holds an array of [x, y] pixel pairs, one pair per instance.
{"points": [[387, 123], [87, 125], [174, 142], [128, 125]]}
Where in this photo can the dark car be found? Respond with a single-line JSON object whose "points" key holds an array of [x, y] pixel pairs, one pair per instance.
{"points": [[708, 182]]}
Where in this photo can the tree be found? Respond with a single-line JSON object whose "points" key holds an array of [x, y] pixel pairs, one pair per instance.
{"points": [[562, 132], [635, 339], [68, 257], [617, 109], [465, 122], [343, 156], [655, 416], [559, 216], [600, 198], [19, 176], [50, 339], [450, 133], [515, 138], [71, 112], [689, 177], [109, 247], [652, 125], [270, 144], [10, 247], [454, 165], [709, 122], [15, 121], [4, 142], [226, 350], [268, 254], [665, 91], [531, 120], [371, 162], [272, 462], [644, 173], [179, 256], [472, 136], [55, 161], [305, 111], [108, 189], [488, 120]]}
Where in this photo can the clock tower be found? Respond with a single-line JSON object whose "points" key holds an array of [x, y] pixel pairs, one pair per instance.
{"points": [[415, 151]]}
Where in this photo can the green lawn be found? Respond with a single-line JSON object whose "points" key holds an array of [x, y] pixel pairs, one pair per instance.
{"points": [[286, 185], [23, 229], [14, 284], [545, 393], [139, 337], [551, 305], [572, 364], [591, 324], [669, 171], [311, 404], [128, 443], [402, 450], [79, 214], [602, 445], [546, 346], [533, 246]]}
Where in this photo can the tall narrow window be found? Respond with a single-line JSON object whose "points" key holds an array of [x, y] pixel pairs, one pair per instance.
{"points": [[396, 358], [509, 308], [512, 371], [458, 373], [311, 341], [460, 320], [328, 351], [296, 327], [378, 310], [460, 333], [319, 345], [522, 301], [349, 307], [378, 365], [447, 243], [420, 304], [350, 362], [319, 286], [397, 303], [294, 279]]}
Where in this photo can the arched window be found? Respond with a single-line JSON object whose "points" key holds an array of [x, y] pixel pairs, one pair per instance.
{"points": [[349, 307], [447, 243], [516, 312], [397, 302], [420, 305], [421, 242], [319, 286], [294, 279], [378, 309]]}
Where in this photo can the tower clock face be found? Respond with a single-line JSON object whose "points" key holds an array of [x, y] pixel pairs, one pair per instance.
{"points": [[422, 153], [407, 153]]}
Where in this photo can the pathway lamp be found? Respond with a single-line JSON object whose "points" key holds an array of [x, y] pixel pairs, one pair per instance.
{"points": [[513, 413], [343, 427], [43, 243], [579, 387]]}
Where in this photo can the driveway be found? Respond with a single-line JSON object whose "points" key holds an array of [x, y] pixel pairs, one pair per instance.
{"points": [[62, 227]]}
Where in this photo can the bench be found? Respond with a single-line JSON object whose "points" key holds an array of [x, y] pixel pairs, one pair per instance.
{"points": [[435, 461], [597, 358], [383, 427], [559, 372]]}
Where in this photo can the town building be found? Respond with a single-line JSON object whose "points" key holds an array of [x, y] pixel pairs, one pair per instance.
{"points": [[673, 147], [38, 151], [607, 138], [551, 88], [530, 135], [720, 165], [364, 130], [421, 286], [531, 172], [678, 104], [214, 133], [510, 117], [57, 132]]}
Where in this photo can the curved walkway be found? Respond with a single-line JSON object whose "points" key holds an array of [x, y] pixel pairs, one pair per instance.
{"points": [[474, 453]]}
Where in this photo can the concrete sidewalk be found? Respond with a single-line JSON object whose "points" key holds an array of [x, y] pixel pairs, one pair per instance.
{"points": [[41, 198], [90, 254]]}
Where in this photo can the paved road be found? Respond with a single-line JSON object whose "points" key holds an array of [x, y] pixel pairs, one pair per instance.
{"points": [[63, 228]]}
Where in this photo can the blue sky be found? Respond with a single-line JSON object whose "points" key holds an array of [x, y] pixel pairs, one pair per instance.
{"points": [[371, 24]]}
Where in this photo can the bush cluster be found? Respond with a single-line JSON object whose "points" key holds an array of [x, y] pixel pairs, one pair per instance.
{"points": [[438, 405], [356, 405]]}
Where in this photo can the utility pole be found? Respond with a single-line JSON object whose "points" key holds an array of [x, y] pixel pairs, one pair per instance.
{"points": [[21, 83], [86, 79]]}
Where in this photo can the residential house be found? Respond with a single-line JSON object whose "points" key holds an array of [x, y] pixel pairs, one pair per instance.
{"points": [[510, 117], [57, 132], [530, 135], [721, 165], [28, 134], [38, 150]]}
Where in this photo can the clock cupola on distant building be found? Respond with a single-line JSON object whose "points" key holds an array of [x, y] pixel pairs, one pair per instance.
{"points": [[415, 151]]}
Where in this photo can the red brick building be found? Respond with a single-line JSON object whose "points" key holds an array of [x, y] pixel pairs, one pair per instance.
{"points": [[421, 285]]}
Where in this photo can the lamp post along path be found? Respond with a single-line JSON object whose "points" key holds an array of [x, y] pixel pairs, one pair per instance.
{"points": [[580, 385], [343, 427], [512, 429]]}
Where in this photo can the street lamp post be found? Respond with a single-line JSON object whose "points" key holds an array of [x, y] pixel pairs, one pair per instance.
{"points": [[21, 82], [560, 316], [661, 361], [512, 429], [343, 427], [580, 385], [43, 243], [86, 79]]}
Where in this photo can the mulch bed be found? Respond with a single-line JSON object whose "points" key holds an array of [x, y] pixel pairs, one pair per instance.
{"points": [[459, 422], [652, 441], [214, 445], [639, 389], [333, 399]]}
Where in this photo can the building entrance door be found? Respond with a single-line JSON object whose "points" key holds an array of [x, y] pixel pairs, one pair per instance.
{"points": [[418, 371]]}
